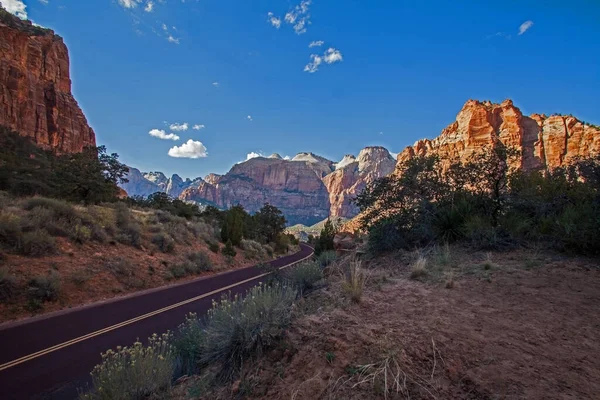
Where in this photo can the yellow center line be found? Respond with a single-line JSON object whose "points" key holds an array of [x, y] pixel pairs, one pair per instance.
{"points": [[133, 320]]}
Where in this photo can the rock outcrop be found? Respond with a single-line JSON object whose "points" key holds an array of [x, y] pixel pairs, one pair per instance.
{"points": [[352, 175], [544, 142], [35, 88], [295, 187], [139, 185]]}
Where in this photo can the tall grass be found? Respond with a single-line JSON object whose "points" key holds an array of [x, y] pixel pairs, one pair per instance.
{"points": [[354, 281]]}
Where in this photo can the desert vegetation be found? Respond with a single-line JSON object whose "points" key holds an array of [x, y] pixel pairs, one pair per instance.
{"points": [[65, 212], [486, 202]]}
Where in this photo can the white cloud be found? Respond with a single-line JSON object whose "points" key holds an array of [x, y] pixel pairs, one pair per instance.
{"points": [[394, 155], [273, 20], [179, 127], [287, 158], [45, 2], [316, 43], [299, 17], [197, 127], [253, 154], [525, 26], [249, 118], [159, 133], [16, 7], [129, 3], [330, 56], [191, 149], [313, 66], [215, 84], [149, 6]]}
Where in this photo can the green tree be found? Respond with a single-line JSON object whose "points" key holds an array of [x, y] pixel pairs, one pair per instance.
{"points": [[270, 222], [232, 228], [90, 176], [325, 240]]}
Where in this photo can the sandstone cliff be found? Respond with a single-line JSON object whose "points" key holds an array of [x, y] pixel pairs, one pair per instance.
{"points": [[352, 175], [544, 142], [295, 187], [35, 88]]}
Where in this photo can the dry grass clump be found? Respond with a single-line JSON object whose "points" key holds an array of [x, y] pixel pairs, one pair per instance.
{"points": [[135, 372], [419, 268], [355, 279]]}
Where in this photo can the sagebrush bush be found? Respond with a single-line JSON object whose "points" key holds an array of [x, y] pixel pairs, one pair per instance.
{"points": [[326, 258], [239, 328], [45, 288], [201, 261], [8, 285], [135, 372], [188, 344], [164, 242], [10, 229], [120, 267], [253, 249], [180, 270], [213, 246], [37, 243], [305, 275]]}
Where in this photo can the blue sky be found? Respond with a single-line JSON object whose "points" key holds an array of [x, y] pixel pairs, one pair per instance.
{"points": [[389, 72]]}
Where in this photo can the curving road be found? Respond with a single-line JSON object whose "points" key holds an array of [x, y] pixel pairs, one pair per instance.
{"points": [[50, 357]]}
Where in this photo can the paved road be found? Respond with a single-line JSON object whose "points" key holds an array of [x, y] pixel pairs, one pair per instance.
{"points": [[50, 357]]}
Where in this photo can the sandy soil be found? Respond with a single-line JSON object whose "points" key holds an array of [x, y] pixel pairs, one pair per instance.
{"points": [[526, 328]]}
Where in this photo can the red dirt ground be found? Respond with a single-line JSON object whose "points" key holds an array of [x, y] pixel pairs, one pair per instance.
{"points": [[519, 332]]}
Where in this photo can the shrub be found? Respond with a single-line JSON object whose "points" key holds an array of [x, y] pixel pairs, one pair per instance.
{"points": [[188, 343], [120, 267], [306, 275], [8, 285], [253, 249], [131, 236], [164, 242], [326, 258], [214, 246], [10, 229], [45, 288], [282, 243], [201, 261], [60, 209], [228, 250], [135, 372], [354, 281], [384, 237], [239, 328], [37, 243], [122, 215], [180, 270], [98, 234]]}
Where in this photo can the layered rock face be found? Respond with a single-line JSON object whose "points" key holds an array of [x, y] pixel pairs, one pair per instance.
{"points": [[35, 88], [544, 142], [352, 175], [295, 187], [146, 183]]}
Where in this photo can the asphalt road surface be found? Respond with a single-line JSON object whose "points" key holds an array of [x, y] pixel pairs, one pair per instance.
{"points": [[51, 357]]}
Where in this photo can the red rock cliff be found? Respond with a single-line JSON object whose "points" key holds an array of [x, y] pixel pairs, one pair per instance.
{"points": [[545, 142], [35, 88]]}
